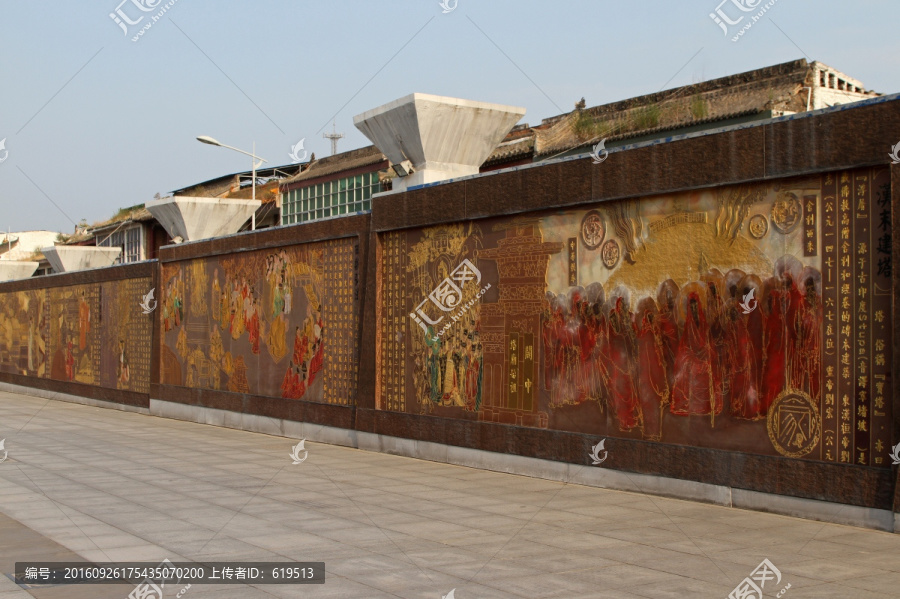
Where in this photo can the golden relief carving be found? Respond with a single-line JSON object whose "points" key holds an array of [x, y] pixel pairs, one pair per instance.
{"points": [[676, 253], [610, 254], [593, 230], [759, 226], [786, 213], [793, 423]]}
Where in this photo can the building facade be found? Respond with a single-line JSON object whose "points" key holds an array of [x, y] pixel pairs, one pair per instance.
{"points": [[339, 185]]}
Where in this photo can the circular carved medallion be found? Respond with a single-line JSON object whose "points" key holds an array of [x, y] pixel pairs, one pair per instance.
{"points": [[609, 254], [592, 230], [786, 212], [793, 423], [759, 226]]}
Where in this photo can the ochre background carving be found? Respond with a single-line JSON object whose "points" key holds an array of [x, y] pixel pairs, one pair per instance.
{"points": [[278, 323], [700, 334], [94, 334]]}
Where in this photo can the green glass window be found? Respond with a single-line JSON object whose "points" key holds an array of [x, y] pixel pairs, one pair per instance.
{"points": [[347, 195]]}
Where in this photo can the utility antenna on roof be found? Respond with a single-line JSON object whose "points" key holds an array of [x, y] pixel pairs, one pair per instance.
{"points": [[334, 136]]}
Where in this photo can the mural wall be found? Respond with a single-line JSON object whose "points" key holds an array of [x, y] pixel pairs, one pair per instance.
{"points": [[126, 345], [278, 323], [25, 333], [93, 334], [753, 318]]}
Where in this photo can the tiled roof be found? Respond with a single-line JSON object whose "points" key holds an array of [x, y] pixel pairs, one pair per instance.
{"points": [[135, 214], [772, 88], [221, 186], [344, 161], [511, 149], [266, 193]]}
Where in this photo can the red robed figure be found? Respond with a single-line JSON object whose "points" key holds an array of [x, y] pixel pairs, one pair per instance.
{"points": [[808, 326], [775, 355], [621, 381], [694, 393], [744, 368], [653, 387]]}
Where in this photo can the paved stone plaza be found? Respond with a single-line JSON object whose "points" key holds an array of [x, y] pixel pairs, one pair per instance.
{"points": [[106, 485]]}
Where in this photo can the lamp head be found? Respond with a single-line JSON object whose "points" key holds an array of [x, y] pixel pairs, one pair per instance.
{"points": [[403, 169], [208, 140]]}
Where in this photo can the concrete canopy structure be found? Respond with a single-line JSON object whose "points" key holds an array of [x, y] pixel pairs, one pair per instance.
{"points": [[442, 137], [11, 270], [190, 218], [70, 258]]}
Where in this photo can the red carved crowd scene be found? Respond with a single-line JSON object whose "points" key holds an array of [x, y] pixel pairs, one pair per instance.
{"points": [[726, 342]]}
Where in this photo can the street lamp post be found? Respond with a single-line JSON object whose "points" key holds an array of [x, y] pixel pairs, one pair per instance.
{"points": [[209, 140]]}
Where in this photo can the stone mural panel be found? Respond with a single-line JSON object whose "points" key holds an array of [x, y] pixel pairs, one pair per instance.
{"points": [[277, 323], [94, 334], [751, 317]]}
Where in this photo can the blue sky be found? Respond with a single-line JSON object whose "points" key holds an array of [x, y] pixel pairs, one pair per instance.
{"points": [[94, 122]]}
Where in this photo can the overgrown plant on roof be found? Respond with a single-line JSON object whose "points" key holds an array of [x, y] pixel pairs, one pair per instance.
{"points": [[583, 126], [646, 117], [699, 107], [588, 129]]}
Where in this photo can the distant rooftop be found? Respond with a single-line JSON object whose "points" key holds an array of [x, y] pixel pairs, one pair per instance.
{"points": [[345, 161], [762, 93], [136, 213], [767, 92], [234, 185], [25, 245]]}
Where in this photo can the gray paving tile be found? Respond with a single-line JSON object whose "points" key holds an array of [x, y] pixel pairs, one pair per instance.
{"points": [[623, 576], [876, 581], [681, 587], [835, 591], [114, 484]]}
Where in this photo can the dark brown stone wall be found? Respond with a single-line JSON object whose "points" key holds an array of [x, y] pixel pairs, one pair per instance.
{"points": [[847, 138], [141, 277], [353, 228], [790, 147]]}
